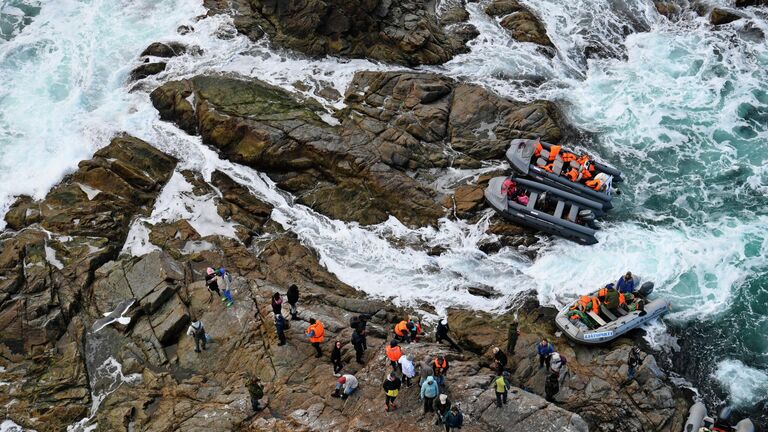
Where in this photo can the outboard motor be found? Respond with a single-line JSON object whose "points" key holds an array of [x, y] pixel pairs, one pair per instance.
{"points": [[695, 417], [724, 419], [588, 217], [645, 289]]}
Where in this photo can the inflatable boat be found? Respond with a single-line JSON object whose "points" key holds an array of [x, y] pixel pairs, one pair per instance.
{"points": [[606, 325], [543, 162], [546, 209], [698, 421]]}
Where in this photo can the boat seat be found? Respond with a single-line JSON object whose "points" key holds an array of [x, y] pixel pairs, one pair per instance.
{"points": [[532, 198], [621, 311], [575, 164], [607, 313], [540, 162], [557, 166], [559, 209], [573, 212], [544, 154], [597, 318]]}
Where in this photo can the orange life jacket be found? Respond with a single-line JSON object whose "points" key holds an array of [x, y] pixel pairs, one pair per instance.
{"points": [[569, 157], [594, 184], [573, 175], [319, 332], [538, 150], [445, 364], [584, 301], [622, 300], [401, 329], [553, 152], [394, 353], [602, 293]]}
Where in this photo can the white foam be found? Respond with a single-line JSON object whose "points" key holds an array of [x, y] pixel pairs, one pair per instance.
{"points": [[10, 426], [744, 384]]}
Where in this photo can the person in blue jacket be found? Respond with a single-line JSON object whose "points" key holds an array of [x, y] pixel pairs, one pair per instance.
{"points": [[429, 391], [545, 348], [453, 419], [626, 284]]}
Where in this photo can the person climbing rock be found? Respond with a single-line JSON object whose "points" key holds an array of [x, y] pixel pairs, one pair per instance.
{"points": [[545, 349], [557, 364], [633, 361], [441, 334], [512, 334], [501, 385], [211, 281], [499, 360], [280, 326], [277, 304], [360, 322], [440, 369], [391, 389], [409, 371], [414, 327], [453, 419], [441, 406], [402, 334], [358, 342], [626, 283], [393, 354], [336, 358], [345, 386], [316, 334], [256, 391], [197, 331], [551, 386], [226, 278], [293, 299], [429, 391]]}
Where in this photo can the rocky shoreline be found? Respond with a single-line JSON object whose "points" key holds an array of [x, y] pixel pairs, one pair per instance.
{"points": [[62, 264]]}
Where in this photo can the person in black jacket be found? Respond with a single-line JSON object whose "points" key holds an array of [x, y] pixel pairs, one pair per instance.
{"points": [[633, 362], [360, 322], [277, 304], [358, 341], [336, 358], [391, 388], [293, 298], [441, 334], [280, 327], [499, 360]]}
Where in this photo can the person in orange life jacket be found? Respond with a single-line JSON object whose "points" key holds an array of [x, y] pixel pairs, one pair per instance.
{"points": [[316, 334], [513, 192], [391, 389], [393, 354], [578, 319], [613, 298], [414, 326], [440, 369], [545, 350], [336, 358], [402, 333]]}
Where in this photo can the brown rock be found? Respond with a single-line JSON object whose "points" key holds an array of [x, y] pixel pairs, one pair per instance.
{"points": [[720, 16], [147, 69], [503, 7], [526, 27]]}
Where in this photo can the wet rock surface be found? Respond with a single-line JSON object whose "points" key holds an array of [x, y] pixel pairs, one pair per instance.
{"points": [[522, 24], [396, 123]]}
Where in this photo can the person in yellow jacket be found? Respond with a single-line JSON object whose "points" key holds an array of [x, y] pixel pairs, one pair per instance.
{"points": [[391, 388], [501, 385], [316, 334]]}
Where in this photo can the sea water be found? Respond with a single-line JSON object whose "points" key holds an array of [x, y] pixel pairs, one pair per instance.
{"points": [[680, 107]]}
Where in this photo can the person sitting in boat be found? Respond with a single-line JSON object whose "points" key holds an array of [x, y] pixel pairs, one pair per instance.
{"points": [[626, 284], [513, 192], [613, 299], [599, 183], [579, 319]]}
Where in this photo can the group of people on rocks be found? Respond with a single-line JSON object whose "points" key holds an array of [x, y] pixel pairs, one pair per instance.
{"points": [[612, 297], [432, 371]]}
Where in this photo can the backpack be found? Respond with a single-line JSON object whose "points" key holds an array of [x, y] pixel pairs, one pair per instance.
{"points": [[200, 332]]}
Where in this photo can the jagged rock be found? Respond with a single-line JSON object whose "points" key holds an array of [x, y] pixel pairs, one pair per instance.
{"points": [[525, 27], [147, 69], [720, 16], [400, 31], [668, 9], [503, 7], [466, 199], [746, 3], [168, 49], [454, 15]]}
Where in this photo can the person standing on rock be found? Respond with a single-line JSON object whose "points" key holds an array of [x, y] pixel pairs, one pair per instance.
{"points": [[633, 362], [227, 279], [211, 281], [551, 386], [360, 322], [336, 358], [256, 391], [440, 369], [409, 371], [197, 331], [499, 360], [345, 386], [441, 406], [512, 334], [501, 385], [414, 327], [391, 389], [280, 328], [393, 354], [293, 298], [545, 350], [441, 334], [358, 342], [453, 419], [316, 334], [429, 391], [277, 304]]}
